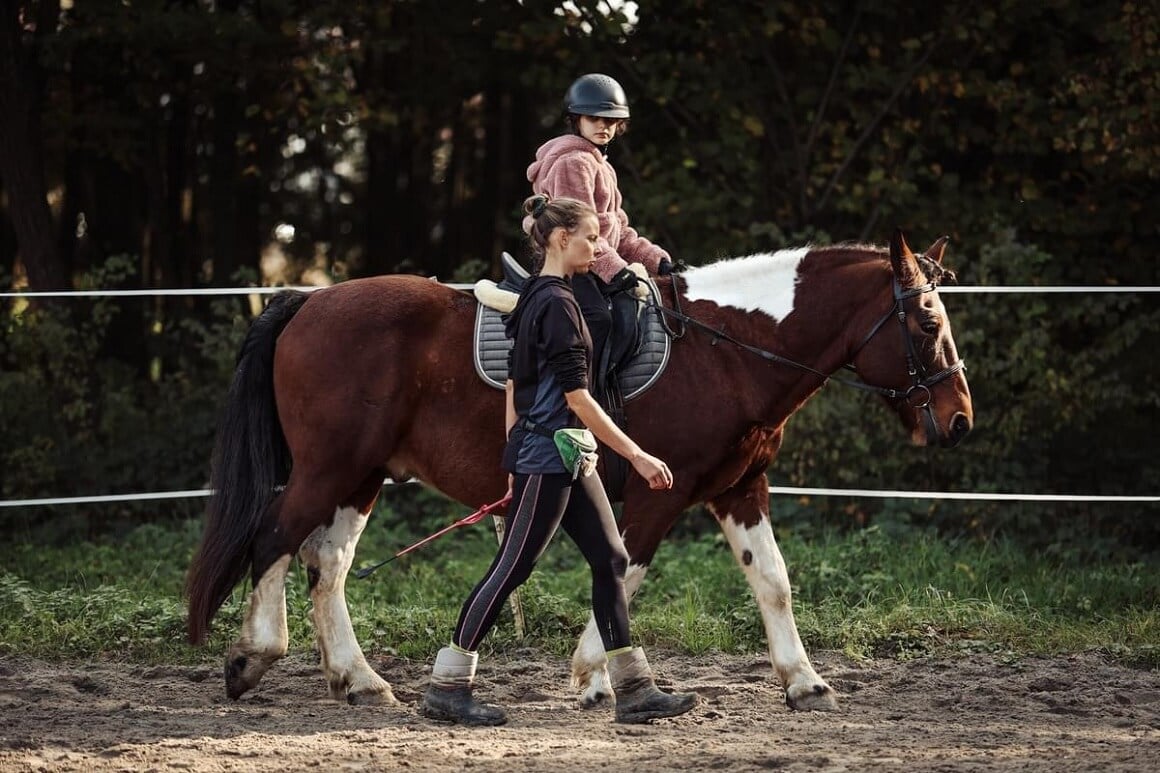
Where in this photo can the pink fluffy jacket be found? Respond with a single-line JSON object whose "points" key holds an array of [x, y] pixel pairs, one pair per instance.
{"points": [[572, 166]]}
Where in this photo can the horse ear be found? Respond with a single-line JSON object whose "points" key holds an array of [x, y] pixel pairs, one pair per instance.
{"points": [[935, 251], [902, 259]]}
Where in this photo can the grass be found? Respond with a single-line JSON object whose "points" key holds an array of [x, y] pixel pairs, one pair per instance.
{"points": [[865, 593]]}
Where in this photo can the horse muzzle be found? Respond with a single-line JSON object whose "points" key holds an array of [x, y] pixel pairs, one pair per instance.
{"points": [[957, 428], [960, 426]]}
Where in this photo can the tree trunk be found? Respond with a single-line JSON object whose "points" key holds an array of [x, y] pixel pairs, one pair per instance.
{"points": [[21, 152], [509, 151], [235, 194], [224, 187]]}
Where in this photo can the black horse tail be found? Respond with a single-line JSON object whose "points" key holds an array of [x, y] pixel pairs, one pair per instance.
{"points": [[250, 460]]}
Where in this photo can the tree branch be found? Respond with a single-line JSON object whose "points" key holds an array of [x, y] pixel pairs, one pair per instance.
{"points": [[887, 106]]}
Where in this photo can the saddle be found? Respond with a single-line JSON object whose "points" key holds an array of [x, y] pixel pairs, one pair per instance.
{"points": [[644, 344]]}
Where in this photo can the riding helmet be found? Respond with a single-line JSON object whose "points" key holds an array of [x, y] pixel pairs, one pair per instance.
{"points": [[596, 95]]}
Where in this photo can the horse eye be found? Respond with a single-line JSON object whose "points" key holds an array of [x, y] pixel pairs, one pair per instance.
{"points": [[929, 325]]}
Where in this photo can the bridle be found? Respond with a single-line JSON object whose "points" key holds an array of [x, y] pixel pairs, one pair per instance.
{"points": [[921, 380]]}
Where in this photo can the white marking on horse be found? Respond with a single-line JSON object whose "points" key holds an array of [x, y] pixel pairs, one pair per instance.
{"points": [[946, 340], [756, 551], [264, 628], [765, 282], [330, 551]]}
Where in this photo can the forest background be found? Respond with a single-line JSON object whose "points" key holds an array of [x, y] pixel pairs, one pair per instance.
{"points": [[201, 143]]}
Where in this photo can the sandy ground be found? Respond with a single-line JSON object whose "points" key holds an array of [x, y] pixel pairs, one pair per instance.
{"points": [[972, 713]]}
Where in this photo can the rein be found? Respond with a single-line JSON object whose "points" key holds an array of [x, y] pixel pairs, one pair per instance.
{"points": [[920, 381], [676, 312]]}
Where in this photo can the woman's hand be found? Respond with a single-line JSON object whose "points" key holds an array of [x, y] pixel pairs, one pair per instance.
{"points": [[633, 278], [652, 469], [640, 289], [584, 405]]}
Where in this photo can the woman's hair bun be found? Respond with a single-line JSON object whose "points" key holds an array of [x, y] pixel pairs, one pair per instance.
{"points": [[537, 204]]}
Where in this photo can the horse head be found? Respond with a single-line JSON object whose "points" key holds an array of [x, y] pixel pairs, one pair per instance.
{"points": [[910, 353]]}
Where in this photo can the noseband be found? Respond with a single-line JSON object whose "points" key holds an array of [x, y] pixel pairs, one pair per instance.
{"points": [[920, 380]]}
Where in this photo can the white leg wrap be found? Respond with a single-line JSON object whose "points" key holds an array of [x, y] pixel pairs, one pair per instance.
{"points": [[588, 660], [628, 667], [454, 668]]}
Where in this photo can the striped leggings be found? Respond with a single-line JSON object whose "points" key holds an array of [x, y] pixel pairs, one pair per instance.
{"points": [[541, 503]]}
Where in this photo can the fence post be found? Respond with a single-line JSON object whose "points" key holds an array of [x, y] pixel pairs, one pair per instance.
{"points": [[514, 599]]}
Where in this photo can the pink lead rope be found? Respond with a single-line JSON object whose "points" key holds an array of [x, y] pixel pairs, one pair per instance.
{"points": [[475, 517]]}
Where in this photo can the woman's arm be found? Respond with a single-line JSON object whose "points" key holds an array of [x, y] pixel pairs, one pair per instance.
{"points": [[509, 413], [509, 421], [635, 248], [652, 469]]}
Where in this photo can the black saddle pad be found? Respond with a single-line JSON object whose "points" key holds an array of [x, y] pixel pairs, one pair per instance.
{"points": [[641, 372]]}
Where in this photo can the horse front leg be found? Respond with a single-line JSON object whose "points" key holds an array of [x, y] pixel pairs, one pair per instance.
{"points": [[743, 514], [327, 555]]}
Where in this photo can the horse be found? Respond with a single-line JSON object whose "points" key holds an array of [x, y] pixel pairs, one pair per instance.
{"points": [[338, 389]]}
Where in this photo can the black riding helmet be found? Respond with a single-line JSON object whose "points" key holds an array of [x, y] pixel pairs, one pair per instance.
{"points": [[596, 95]]}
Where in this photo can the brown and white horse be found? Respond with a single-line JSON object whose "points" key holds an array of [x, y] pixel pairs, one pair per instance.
{"points": [[336, 390]]}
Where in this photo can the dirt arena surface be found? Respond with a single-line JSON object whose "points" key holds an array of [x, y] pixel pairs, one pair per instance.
{"points": [[973, 713]]}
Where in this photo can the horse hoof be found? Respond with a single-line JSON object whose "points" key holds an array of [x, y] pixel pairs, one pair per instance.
{"points": [[819, 697], [372, 698], [597, 699], [245, 669], [237, 682]]}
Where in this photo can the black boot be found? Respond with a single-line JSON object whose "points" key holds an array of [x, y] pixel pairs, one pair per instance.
{"points": [[449, 697], [637, 697], [457, 705]]}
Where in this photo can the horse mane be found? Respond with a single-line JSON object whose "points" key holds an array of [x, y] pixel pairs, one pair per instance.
{"points": [[934, 272]]}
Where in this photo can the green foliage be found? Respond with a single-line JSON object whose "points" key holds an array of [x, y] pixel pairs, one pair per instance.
{"points": [[1028, 132], [869, 594], [808, 119], [1062, 405], [83, 422]]}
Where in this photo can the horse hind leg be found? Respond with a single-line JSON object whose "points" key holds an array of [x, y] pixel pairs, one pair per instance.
{"points": [[264, 637], [327, 555], [743, 515]]}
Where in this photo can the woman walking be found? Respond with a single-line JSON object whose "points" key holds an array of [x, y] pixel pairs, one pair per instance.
{"points": [[550, 454]]}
